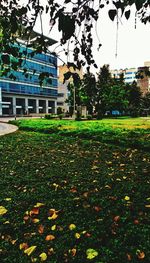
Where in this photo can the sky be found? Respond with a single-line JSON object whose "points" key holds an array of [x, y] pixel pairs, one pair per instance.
{"points": [[133, 47]]}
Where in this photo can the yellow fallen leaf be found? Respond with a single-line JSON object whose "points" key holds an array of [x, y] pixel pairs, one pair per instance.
{"points": [[6, 222], [7, 199], [127, 198], [77, 235], [29, 250], [53, 227], [43, 256], [91, 253], [3, 210], [39, 204], [33, 259], [72, 226], [35, 220], [53, 217], [148, 206]]}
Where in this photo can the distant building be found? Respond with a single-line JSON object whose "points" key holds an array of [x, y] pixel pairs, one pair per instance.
{"points": [[143, 80], [24, 95], [128, 74], [63, 92]]}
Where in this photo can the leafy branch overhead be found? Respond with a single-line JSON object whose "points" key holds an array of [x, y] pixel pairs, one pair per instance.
{"points": [[74, 19]]}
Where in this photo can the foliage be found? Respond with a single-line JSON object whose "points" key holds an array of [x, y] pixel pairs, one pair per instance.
{"points": [[89, 91], [112, 94], [50, 116], [75, 20], [70, 200], [89, 117], [59, 110], [131, 132]]}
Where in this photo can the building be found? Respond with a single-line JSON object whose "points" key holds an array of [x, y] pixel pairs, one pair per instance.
{"points": [[63, 92], [23, 94], [129, 74], [143, 80]]}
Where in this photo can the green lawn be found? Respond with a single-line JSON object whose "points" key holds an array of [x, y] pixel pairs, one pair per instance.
{"points": [[68, 196]]}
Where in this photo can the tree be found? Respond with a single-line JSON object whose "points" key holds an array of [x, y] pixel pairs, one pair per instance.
{"points": [[89, 91], [74, 19], [75, 92], [103, 84], [145, 104], [112, 94], [134, 97]]}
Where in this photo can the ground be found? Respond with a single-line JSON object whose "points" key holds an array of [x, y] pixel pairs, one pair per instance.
{"points": [[68, 196]]}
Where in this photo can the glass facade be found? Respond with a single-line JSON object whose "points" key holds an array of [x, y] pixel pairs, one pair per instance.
{"points": [[28, 83]]}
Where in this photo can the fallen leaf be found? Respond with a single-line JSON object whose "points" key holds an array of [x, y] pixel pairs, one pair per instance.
{"points": [[53, 214], [116, 218], [53, 227], [77, 235], [40, 229], [34, 211], [3, 210], [50, 251], [7, 199], [49, 238], [73, 251], [97, 208], [129, 257], [127, 198], [72, 226], [6, 222], [73, 190], [39, 204], [26, 217], [91, 253], [29, 250], [148, 206], [35, 220], [140, 254], [43, 256], [23, 246]]}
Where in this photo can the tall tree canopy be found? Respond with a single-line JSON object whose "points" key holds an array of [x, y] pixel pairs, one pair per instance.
{"points": [[74, 19]]}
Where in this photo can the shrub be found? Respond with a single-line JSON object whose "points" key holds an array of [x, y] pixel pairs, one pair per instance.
{"points": [[50, 116], [89, 117], [59, 110], [60, 116]]}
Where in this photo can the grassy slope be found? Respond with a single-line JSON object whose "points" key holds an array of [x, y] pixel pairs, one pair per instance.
{"points": [[87, 182], [130, 132]]}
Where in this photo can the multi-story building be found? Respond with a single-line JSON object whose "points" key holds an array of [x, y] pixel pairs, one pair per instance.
{"points": [[63, 92], [24, 94], [143, 80], [129, 74]]}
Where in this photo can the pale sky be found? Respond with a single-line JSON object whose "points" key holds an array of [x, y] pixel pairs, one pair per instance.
{"points": [[133, 44]]}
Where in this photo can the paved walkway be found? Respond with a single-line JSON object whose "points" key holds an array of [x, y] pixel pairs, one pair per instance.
{"points": [[6, 128]]}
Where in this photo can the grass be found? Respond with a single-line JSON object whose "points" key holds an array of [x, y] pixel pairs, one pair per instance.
{"points": [[130, 132], [94, 195]]}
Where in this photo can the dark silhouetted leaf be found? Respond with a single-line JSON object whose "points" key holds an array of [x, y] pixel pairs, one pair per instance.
{"points": [[112, 13], [127, 14]]}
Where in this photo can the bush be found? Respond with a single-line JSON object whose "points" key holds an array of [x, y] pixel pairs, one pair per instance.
{"points": [[59, 110], [60, 116], [50, 116], [89, 117], [99, 115]]}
